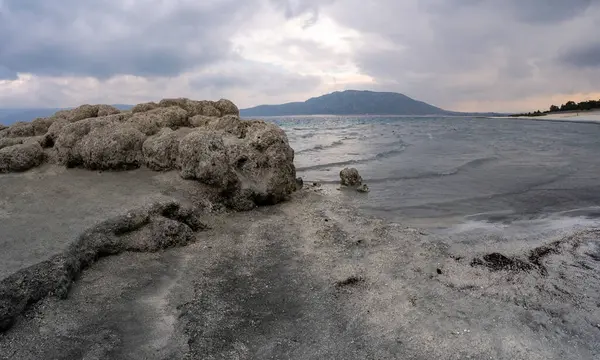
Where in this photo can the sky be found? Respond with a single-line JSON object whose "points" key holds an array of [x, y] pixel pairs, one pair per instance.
{"points": [[463, 55]]}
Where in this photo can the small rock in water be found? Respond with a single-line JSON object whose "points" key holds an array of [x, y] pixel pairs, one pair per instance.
{"points": [[363, 188], [299, 183], [350, 177]]}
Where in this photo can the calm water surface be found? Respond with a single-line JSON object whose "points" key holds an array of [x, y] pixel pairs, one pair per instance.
{"points": [[441, 172]]}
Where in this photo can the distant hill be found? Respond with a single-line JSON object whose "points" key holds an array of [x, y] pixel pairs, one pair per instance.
{"points": [[10, 116], [350, 102]]}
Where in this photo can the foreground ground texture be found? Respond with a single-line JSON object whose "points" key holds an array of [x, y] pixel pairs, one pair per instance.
{"points": [[309, 278]]}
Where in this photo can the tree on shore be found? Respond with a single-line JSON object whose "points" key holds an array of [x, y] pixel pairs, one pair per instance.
{"points": [[582, 106], [568, 106]]}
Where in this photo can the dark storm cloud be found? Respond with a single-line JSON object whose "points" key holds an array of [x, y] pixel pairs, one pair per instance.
{"points": [[6, 74], [587, 56], [441, 51], [450, 51], [105, 38], [535, 11], [258, 78], [547, 10]]}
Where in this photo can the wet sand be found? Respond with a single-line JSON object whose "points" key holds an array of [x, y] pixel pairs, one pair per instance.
{"points": [[312, 278]]}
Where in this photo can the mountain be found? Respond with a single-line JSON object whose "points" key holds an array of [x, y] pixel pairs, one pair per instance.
{"points": [[350, 102], [10, 116]]}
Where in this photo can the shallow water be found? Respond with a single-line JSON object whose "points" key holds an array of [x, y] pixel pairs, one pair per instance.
{"points": [[465, 173]]}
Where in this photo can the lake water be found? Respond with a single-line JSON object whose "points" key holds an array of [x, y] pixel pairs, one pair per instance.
{"points": [[469, 174]]}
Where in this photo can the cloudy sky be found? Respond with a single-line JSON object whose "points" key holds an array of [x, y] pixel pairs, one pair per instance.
{"points": [[470, 55]]}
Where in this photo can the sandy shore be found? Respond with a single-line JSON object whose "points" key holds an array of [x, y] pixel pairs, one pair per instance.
{"points": [[580, 117], [312, 278]]}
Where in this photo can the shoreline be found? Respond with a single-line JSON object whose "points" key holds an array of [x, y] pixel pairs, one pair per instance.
{"points": [[585, 117], [314, 277]]}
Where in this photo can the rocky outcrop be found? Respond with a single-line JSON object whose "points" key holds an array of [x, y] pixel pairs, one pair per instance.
{"points": [[204, 157], [244, 163], [6, 142], [161, 151], [69, 138], [115, 146], [158, 226], [150, 122], [20, 157]]}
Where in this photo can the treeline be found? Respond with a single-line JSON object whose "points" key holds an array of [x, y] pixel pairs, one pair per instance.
{"points": [[568, 106]]}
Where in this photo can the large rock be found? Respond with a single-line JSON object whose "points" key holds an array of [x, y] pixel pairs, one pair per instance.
{"points": [[21, 129], [150, 122], [54, 129], [201, 120], [41, 125], [69, 137], [241, 163], [82, 112], [161, 151], [20, 157], [9, 141], [264, 162], [249, 162], [42, 140], [203, 156], [6, 142], [200, 108], [180, 102], [350, 177], [228, 123], [85, 112], [209, 109], [193, 107], [105, 110], [66, 117], [112, 147], [227, 107], [143, 107]]}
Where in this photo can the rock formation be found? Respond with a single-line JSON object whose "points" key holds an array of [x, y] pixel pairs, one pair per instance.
{"points": [[363, 188], [246, 163], [160, 225], [350, 177], [20, 157], [231, 162]]}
